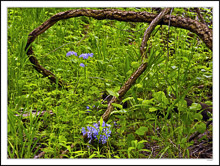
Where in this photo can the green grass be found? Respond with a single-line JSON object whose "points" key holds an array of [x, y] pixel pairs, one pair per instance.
{"points": [[116, 57]]}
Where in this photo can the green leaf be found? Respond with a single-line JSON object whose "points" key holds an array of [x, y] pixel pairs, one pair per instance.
{"points": [[129, 72], [131, 148], [62, 138], [139, 86], [147, 102], [130, 138], [91, 156], [140, 99], [140, 146], [152, 109], [142, 141], [201, 127], [198, 116], [185, 58], [141, 130], [116, 157], [101, 61], [121, 112], [128, 98], [135, 65], [195, 107], [74, 60], [101, 122], [117, 105], [182, 105], [117, 88], [134, 143], [160, 97], [145, 150], [112, 92]]}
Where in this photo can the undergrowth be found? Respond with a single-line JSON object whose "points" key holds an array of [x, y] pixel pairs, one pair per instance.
{"points": [[147, 128]]}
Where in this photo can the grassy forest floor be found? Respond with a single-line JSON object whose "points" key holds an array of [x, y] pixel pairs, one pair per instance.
{"points": [[153, 120]]}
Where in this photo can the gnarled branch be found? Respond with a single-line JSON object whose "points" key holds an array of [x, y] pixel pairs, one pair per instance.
{"points": [[140, 70], [129, 16]]}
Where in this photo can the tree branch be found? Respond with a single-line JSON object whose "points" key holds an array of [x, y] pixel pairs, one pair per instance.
{"points": [[129, 16], [200, 16], [147, 33], [139, 71]]}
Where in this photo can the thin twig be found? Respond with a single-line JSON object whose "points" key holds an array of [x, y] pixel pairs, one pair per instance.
{"points": [[39, 155]]}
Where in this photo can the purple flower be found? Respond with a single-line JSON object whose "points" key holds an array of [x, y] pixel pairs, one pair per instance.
{"points": [[71, 53], [87, 107], [96, 125], [93, 132], [103, 124], [82, 65], [90, 54], [84, 56], [83, 130]]}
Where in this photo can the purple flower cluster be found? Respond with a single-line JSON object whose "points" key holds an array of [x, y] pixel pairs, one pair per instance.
{"points": [[71, 53], [84, 56], [82, 64], [94, 131]]}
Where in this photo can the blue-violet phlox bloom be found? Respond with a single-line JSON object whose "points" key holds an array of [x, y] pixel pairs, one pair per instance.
{"points": [[71, 53], [82, 65], [94, 131], [90, 54], [83, 130], [84, 56]]}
